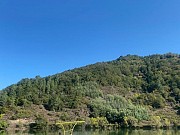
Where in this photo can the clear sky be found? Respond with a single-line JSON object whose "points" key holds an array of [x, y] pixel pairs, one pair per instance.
{"points": [[44, 37]]}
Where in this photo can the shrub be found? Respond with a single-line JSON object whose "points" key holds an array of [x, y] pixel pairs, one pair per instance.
{"points": [[3, 125], [64, 116], [115, 108], [166, 122], [41, 123], [21, 114], [98, 122], [156, 121], [130, 121], [158, 103]]}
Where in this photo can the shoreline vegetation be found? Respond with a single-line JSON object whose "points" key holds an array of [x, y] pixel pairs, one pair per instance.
{"points": [[100, 123], [129, 92]]}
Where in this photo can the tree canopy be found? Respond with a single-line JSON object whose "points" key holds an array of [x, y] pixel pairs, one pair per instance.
{"points": [[122, 87]]}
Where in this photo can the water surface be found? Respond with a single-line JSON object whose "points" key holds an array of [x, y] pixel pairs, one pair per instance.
{"points": [[105, 132]]}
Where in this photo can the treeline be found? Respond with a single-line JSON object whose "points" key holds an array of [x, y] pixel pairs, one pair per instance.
{"points": [[124, 88]]}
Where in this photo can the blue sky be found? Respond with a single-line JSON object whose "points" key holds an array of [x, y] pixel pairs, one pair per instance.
{"points": [[44, 37]]}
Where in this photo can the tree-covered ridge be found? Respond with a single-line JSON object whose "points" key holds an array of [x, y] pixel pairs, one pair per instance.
{"points": [[123, 88]]}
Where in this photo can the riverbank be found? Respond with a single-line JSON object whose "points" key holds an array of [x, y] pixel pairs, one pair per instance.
{"points": [[41, 125], [122, 131]]}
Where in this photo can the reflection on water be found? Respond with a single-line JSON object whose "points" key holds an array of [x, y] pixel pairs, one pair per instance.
{"points": [[97, 132], [132, 132]]}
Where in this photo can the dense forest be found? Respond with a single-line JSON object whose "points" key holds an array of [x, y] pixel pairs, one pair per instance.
{"points": [[128, 91]]}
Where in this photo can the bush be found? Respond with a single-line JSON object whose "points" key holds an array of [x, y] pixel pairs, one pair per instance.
{"points": [[115, 108], [41, 123], [166, 122], [156, 121], [98, 122], [3, 110], [130, 121], [158, 103], [65, 116], [21, 114], [3, 125]]}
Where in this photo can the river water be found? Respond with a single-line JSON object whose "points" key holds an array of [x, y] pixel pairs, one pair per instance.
{"points": [[105, 132], [131, 132]]}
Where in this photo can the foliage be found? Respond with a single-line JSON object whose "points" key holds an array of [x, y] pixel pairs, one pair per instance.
{"points": [[178, 110], [98, 122], [41, 123], [155, 100], [21, 113], [65, 116], [116, 108], [3, 124], [156, 121], [166, 122], [118, 89], [130, 121]]}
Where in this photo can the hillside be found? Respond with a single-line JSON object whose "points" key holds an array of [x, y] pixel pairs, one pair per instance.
{"points": [[130, 91]]}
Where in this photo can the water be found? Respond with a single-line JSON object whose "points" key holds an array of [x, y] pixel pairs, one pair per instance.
{"points": [[117, 132], [131, 132]]}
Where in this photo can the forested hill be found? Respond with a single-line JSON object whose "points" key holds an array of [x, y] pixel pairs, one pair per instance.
{"points": [[127, 84]]}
